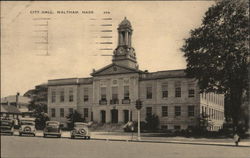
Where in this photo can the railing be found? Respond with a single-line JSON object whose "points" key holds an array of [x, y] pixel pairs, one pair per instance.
{"points": [[125, 101], [102, 102], [114, 101]]}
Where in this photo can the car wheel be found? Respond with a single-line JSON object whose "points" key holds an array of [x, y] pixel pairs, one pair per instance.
{"points": [[12, 133], [88, 137], [85, 137], [20, 134], [34, 134], [44, 135], [59, 136]]}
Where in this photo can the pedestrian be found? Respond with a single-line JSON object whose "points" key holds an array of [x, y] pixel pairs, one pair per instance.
{"points": [[236, 139]]}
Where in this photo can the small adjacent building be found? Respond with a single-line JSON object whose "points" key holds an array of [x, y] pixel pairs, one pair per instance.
{"points": [[109, 95], [10, 111], [14, 106]]}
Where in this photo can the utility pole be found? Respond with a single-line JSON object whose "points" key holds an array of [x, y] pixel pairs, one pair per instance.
{"points": [[138, 106]]}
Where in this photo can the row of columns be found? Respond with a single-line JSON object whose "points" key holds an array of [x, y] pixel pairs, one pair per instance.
{"points": [[121, 115], [125, 40]]}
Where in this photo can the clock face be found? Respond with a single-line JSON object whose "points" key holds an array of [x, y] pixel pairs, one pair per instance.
{"points": [[120, 50]]}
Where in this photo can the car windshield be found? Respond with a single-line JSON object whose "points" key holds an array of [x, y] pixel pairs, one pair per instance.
{"points": [[5, 123], [52, 124], [27, 123]]}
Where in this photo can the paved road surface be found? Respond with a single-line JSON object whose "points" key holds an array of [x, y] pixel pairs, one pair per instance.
{"points": [[39, 147]]}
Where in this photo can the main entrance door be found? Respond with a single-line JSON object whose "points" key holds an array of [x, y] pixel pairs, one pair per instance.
{"points": [[126, 116], [103, 116], [114, 116]]}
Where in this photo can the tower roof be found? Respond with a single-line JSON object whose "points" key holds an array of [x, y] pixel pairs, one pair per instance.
{"points": [[125, 23]]}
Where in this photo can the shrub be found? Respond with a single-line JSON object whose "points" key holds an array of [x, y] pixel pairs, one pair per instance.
{"points": [[152, 122]]}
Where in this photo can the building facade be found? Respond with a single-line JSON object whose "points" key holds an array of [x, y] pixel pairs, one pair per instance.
{"points": [[109, 96]]}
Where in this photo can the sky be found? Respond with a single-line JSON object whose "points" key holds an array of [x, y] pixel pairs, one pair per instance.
{"points": [[31, 30]]}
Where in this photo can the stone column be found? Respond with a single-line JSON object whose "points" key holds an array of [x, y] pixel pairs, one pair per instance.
{"points": [[96, 115], [108, 115], [120, 38], [120, 115], [130, 39]]}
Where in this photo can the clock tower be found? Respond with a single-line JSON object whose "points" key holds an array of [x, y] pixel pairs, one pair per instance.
{"points": [[124, 54]]}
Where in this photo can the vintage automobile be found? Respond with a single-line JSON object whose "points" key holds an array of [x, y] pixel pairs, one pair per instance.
{"points": [[7, 126], [27, 126], [80, 130], [52, 128]]}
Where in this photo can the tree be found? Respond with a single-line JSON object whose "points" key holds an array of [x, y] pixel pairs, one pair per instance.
{"points": [[152, 122], [217, 53], [37, 107], [41, 119], [74, 117], [39, 112]]}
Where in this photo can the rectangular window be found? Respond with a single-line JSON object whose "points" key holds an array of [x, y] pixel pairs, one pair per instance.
{"points": [[70, 110], [191, 110], [191, 93], [164, 127], [212, 113], [209, 113], [103, 93], [53, 96], [114, 93], [92, 116], [178, 92], [62, 96], [53, 112], [177, 89], [126, 92], [164, 111], [149, 92], [149, 111], [177, 110], [86, 112], [177, 127], [61, 112], [85, 94], [164, 88], [71, 96]]}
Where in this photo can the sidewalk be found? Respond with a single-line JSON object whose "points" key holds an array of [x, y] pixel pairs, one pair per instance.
{"points": [[132, 137]]}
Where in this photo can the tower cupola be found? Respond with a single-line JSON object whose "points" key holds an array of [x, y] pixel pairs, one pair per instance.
{"points": [[124, 54]]}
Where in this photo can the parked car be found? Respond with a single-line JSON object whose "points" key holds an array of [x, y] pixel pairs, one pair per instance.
{"points": [[27, 126], [7, 126], [80, 130], [52, 128]]}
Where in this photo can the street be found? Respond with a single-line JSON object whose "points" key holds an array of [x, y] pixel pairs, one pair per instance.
{"points": [[39, 147]]}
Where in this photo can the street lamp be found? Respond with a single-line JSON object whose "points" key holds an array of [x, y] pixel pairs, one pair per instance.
{"points": [[17, 100], [138, 106]]}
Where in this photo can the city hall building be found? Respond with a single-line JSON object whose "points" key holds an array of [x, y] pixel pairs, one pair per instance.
{"points": [[109, 95]]}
